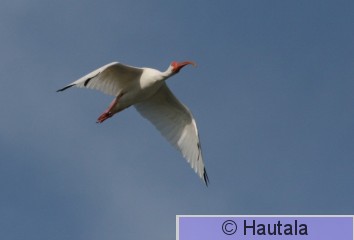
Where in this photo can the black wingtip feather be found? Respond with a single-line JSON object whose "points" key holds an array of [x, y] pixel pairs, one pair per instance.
{"points": [[64, 88], [89, 79], [206, 178]]}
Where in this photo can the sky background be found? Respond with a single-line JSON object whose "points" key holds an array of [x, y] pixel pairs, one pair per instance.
{"points": [[272, 95]]}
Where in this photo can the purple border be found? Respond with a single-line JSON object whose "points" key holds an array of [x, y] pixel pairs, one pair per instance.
{"points": [[285, 228]]}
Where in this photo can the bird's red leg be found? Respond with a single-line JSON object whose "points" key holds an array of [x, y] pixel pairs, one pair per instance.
{"points": [[108, 113]]}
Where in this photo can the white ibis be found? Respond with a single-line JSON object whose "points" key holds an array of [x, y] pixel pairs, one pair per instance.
{"points": [[145, 88]]}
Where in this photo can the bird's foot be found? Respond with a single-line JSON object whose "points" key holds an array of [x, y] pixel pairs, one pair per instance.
{"points": [[104, 116]]}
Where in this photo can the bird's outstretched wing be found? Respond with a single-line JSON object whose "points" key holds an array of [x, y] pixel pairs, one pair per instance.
{"points": [[108, 79], [176, 123]]}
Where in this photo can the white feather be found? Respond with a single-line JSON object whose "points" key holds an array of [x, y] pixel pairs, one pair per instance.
{"points": [[109, 79], [176, 123]]}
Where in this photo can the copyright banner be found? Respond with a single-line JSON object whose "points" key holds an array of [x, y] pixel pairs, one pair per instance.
{"points": [[247, 227]]}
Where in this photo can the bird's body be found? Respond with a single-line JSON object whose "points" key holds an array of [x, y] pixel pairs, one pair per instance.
{"points": [[145, 88]]}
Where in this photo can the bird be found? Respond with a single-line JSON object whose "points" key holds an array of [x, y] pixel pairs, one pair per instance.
{"points": [[146, 89]]}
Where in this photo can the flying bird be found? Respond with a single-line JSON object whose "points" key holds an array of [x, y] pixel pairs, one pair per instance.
{"points": [[146, 90]]}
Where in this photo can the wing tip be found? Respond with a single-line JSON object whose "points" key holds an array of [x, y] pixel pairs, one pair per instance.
{"points": [[206, 178], [64, 88]]}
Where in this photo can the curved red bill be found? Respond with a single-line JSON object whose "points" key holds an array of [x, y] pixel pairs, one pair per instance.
{"points": [[177, 66]]}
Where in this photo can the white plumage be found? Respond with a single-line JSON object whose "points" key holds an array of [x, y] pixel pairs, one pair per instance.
{"points": [[145, 88]]}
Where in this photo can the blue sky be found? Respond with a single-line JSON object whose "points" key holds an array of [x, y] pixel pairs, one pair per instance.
{"points": [[272, 96]]}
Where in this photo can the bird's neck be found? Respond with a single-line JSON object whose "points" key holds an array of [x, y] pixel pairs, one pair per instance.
{"points": [[168, 73]]}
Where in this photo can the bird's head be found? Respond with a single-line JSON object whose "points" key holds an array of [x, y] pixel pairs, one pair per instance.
{"points": [[177, 66]]}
